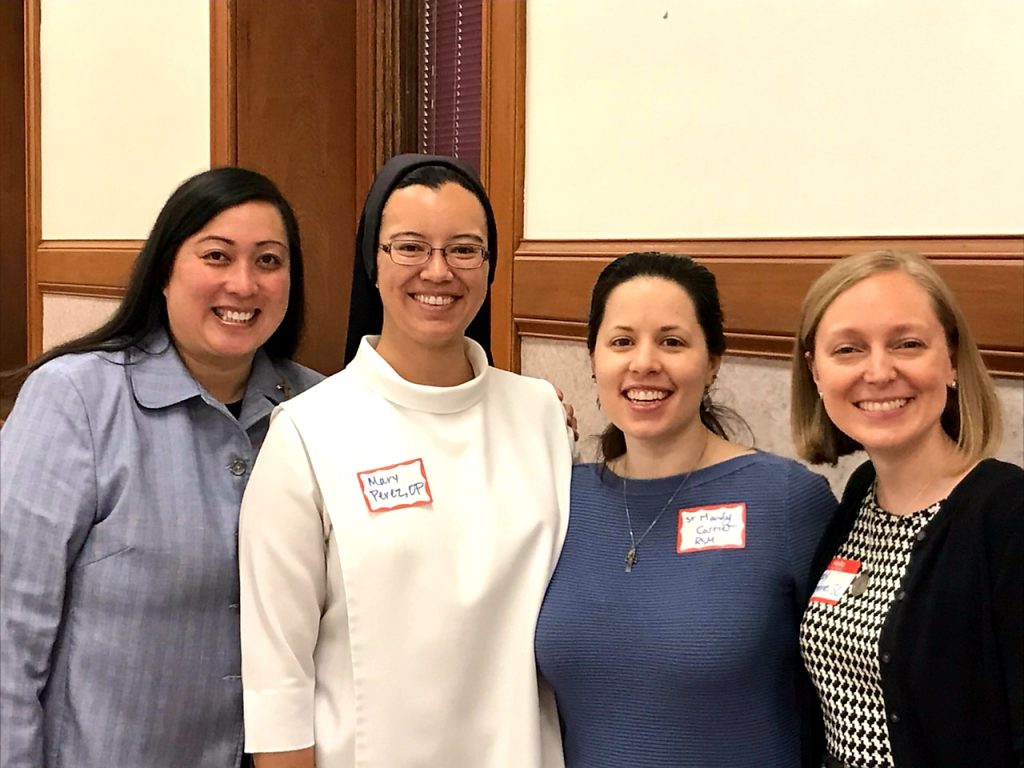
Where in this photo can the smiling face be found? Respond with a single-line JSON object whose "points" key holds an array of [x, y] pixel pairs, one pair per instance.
{"points": [[432, 304], [228, 289], [882, 364], [651, 361]]}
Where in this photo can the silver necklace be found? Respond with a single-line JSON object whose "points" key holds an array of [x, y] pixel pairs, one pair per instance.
{"points": [[634, 543]]}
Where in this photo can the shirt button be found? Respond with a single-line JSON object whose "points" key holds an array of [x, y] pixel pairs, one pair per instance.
{"points": [[886, 657], [894, 717], [900, 595], [920, 535], [237, 467]]}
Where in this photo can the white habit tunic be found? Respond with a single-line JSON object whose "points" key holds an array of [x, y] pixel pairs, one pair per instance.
{"points": [[396, 541]]}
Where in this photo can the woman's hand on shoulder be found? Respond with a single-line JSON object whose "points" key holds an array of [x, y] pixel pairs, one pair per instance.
{"points": [[570, 414]]}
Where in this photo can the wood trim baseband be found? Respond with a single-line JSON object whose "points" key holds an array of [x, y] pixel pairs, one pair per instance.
{"points": [[86, 263], [738, 343], [999, 362], [998, 247], [88, 291], [762, 283], [567, 330]]}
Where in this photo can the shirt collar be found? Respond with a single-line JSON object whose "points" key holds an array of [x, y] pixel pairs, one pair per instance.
{"points": [[158, 376], [378, 376], [268, 387], [160, 379]]}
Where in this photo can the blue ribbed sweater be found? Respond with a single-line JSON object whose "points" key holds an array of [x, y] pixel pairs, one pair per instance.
{"points": [[690, 660]]}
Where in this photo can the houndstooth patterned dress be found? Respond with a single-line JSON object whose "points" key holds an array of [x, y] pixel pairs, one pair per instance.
{"points": [[840, 642]]}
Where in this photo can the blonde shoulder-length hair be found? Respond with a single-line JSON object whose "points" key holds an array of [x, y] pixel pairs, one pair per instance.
{"points": [[972, 416]]}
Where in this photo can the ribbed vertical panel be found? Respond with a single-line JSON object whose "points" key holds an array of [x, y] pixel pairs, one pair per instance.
{"points": [[450, 107]]}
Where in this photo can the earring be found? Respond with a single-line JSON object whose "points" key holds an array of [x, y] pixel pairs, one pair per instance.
{"points": [[705, 400], [953, 385], [820, 396]]}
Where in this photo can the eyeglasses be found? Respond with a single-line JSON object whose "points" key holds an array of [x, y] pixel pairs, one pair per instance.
{"points": [[412, 253]]}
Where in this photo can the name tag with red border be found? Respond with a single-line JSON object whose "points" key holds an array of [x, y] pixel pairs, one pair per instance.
{"points": [[835, 581], [397, 486], [720, 527]]}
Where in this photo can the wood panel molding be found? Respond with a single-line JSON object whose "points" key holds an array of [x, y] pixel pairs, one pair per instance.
{"points": [[762, 283], [223, 135], [296, 121], [758, 345], [366, 100], [14, 194], [386, 61], [973, 247], [503, 156], [84, 291], [33, 171], [87, 263], [93, 268]]}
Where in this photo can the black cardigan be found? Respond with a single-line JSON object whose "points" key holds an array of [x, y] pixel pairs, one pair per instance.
{"points": [[952, 647]]}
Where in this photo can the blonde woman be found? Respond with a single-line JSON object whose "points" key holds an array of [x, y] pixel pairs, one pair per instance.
{"points": [[914, 637]]}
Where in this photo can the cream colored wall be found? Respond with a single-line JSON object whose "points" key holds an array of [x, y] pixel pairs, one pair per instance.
{"points": [[125, 111], [67, 317], [125, 103], [758, 389], [731, 118], [692, 118]]}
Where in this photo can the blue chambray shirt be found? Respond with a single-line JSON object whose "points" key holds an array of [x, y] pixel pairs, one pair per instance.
{"points": [[120, 487]]}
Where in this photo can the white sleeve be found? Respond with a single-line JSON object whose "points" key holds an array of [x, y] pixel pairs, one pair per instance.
{"points": [[283, 573]]}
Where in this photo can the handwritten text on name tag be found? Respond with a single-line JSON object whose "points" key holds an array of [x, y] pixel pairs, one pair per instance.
{"points": [[719, 527], [396, 486]]}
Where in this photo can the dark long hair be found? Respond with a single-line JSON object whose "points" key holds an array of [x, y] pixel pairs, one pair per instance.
{"points": [[699, 284], [143, 309], [366, 311]]}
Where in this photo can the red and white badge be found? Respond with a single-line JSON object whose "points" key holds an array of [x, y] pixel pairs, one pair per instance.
{"points": [[720, 527], [396, 486], [835, 581]]}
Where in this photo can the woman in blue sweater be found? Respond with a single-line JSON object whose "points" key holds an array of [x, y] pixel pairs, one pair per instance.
{"points": [[669, 630]]}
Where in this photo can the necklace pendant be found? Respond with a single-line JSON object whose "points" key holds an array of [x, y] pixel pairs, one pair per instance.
{"points": [[630, 559]]}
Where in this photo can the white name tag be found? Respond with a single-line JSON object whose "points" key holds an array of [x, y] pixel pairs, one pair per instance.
{"points": [[720, 527], [395, 487], [835, 581]]}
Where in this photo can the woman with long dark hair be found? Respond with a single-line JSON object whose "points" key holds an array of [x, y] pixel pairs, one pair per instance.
{"points": [[669, 630], [123, 465]]}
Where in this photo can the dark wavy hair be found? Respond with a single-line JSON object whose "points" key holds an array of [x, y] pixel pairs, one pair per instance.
{"points": [[699, 284], [143, 308]]}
